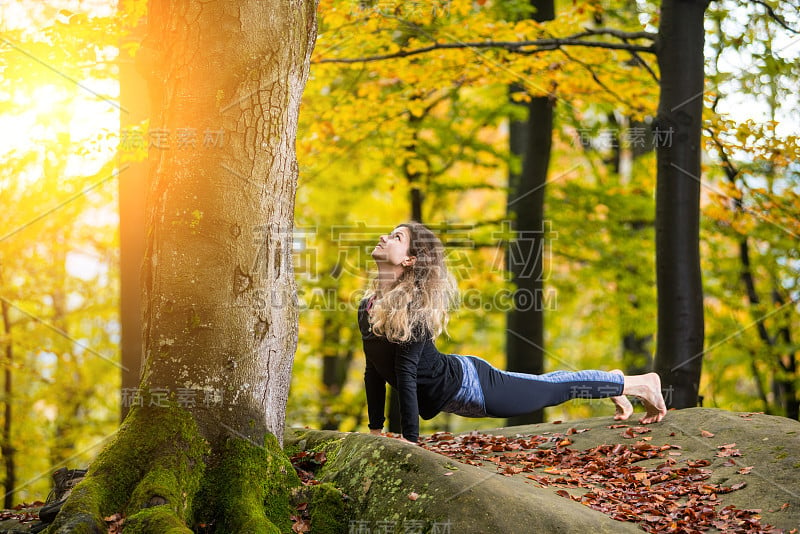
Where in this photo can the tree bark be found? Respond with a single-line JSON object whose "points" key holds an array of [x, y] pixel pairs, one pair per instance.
{"points": [[679, 351], [335, 362], [7, 445], [134, 108], [220, 314], [531, 141], [68, 376], [220, 321]]}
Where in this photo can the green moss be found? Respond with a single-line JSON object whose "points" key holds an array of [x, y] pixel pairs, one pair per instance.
{"points": [[156, 519], [133, 468], [163, 475], [328, 510], [291, 450], [159, 482], [197, 216], [79, 523], [329, 446], [247, 488]]}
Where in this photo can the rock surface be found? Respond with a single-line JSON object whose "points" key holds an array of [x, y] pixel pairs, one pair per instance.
{"points": [[395, 483]]}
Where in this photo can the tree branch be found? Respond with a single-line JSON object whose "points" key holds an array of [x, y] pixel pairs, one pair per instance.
{"points": [[619, 34], [518, 47], [775, 16], [595, 77], [642, 63]]}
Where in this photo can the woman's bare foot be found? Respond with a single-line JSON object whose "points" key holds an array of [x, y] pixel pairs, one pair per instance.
{"points": [[647, 388], [622, 405]]}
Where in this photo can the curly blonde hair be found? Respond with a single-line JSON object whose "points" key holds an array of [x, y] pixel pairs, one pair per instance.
{"points": [[418, 304]]}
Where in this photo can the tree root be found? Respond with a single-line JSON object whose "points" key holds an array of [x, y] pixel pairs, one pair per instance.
{"points": [[249, 487], [161, 475]]}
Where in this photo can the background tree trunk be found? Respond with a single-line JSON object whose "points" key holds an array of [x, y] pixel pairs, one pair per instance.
{"points": [[530, 141], [416, 198], [7, 444], [679, 350], [336, 360]]}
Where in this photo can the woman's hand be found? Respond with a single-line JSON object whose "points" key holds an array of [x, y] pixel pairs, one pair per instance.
{"points": [[398, 437]]}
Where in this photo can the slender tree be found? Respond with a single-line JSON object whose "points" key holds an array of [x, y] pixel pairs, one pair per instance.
{"points": [[531, 141], [6, 442], [220, 323], [679, 350]]}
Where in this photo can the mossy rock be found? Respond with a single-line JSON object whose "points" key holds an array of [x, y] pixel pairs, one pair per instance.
{"points": [[391, 484], [394, 483]]}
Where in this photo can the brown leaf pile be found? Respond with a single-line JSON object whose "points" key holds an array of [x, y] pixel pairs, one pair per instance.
{"points": [[22, 512], [672, 496], [115, 523], [305, 464]]}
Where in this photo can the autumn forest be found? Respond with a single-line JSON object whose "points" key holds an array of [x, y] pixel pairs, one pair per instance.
{"points": [[613, 189]]}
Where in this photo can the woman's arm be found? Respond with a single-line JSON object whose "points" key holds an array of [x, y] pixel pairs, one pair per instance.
{"points": [[375, 386], [406, 362]]}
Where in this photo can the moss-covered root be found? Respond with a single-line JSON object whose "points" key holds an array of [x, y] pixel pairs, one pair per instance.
{"points": [[248, 488], [150, 473], [328, 511]]}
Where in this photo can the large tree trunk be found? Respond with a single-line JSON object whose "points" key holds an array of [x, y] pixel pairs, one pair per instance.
{"points": [[219, 287], [220, 322], [679, 351], [134, 108], [531, 141]]}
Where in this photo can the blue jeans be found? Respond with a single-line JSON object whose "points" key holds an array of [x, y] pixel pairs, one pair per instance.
{"points": [[489, 392]]}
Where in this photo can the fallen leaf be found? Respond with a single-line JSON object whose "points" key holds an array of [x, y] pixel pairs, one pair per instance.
{"points": [[748, 416], [662, 496], [413, 496], [706, 433], [300, 525], [511, 470]]}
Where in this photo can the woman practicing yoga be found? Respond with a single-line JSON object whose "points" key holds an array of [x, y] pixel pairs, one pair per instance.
{"points": [[405, 311]]}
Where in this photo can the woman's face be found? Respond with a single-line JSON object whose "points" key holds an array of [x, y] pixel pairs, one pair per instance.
{"points": [[393, 248]]}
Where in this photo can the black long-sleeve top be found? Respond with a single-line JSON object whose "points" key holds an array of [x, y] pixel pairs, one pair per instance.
{"points": [[425, 378]]}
